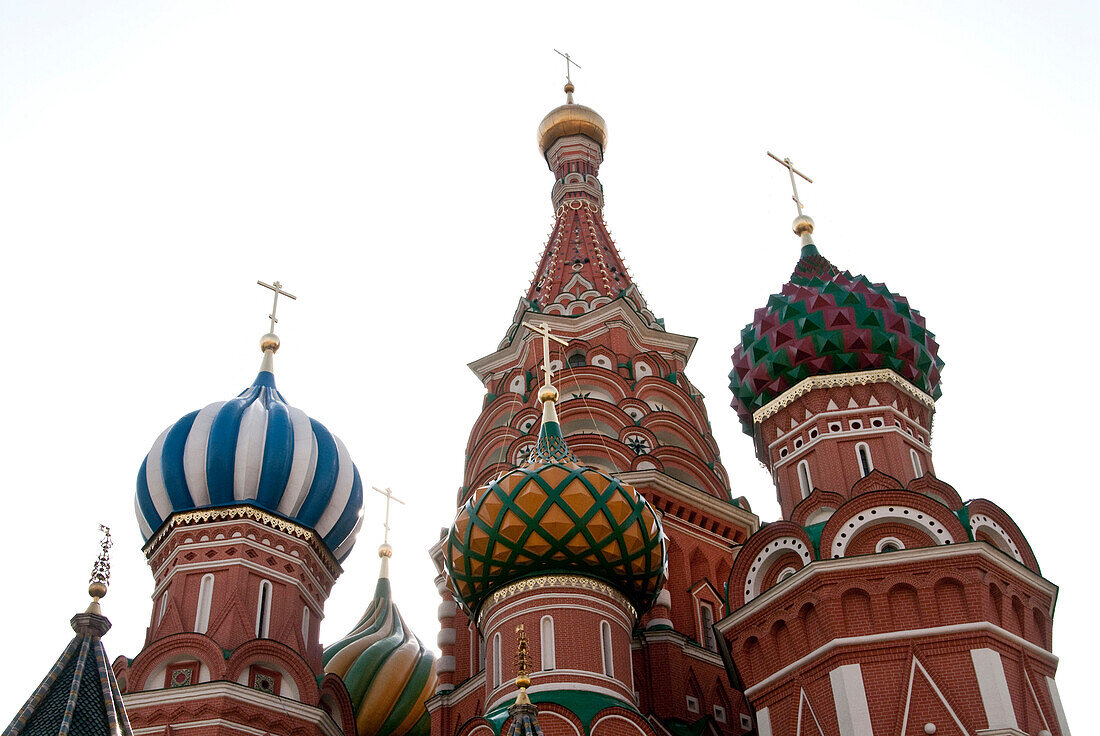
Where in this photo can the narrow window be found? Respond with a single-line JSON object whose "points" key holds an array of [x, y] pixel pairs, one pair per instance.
{"points": [[206, 594], [163, 607], [263, 610], [546, 642], [706, 620], [863, 455], [496, 660], [917, 470], [605, 649], [305, 626], [804, 481]]}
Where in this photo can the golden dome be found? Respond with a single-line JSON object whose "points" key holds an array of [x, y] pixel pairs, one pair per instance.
{"points": [[572, 119]]}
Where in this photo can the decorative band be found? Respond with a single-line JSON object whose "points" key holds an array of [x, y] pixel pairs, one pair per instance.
{"points": [[861, 378], [557, 581]]}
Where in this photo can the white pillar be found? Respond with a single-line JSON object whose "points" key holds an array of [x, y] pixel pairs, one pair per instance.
{"points": [[1058, 710], [763, 722], [993, 687], [850, 699]]}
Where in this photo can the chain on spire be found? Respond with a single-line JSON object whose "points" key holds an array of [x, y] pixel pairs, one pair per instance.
{"points": [[101, 569]]}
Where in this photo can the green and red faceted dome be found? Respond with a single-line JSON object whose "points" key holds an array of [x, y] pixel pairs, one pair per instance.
{"points": [[827, 321], [553, 515]]}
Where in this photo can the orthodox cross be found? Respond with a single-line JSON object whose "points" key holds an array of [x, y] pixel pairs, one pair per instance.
{"points": [[786, 162], [544, 330], [278, 289], [389, 497], [568, 63]]}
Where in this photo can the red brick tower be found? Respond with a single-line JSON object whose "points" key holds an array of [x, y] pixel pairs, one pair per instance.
{"points": [[626, 408], [247, 507], [881, 603]]}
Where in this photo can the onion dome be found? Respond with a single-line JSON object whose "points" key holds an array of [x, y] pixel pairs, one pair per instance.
{"points": [[254, 450], [389, 674], [827, 321], [571, 119], [554, 515]]}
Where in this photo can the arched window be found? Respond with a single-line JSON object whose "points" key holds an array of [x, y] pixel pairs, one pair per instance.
{"points": [[605, 649], [804, 481], [917, 470], [263, 610], [497, 677], [546, 643], [576, 360], [305, 626], [863, 457], [706, 621], [206, 594]]}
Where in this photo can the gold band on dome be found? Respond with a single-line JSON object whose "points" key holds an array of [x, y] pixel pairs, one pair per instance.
{"points": [[557, 581], [572, 120], [860, 378], [227, 513]]}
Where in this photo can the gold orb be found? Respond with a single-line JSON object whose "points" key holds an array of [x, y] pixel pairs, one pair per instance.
{"points": [[802, 224], [548, 393], [571, 120], [385, 551], [97, 590], [523, 681], [270, 341]]}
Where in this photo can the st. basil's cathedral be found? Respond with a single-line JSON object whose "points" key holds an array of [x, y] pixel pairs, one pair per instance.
{"points": [[599, 578]]}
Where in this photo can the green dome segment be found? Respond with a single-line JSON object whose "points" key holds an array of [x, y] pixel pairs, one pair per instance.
{"points": [[552, 515], [389, 674], [828, 321]]}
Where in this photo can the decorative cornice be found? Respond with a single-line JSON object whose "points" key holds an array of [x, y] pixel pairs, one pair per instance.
{"points": [[229, 513], [835, 380], [555, 581]]}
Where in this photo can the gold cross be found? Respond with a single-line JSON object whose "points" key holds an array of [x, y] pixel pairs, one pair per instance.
{"points": [[389, 497], [786, 162], [278, 289], [544, 330], [568, 62]]}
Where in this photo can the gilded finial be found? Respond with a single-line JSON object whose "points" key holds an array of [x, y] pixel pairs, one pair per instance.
{"points": [[269, 343], [101, 570], [803, 225], [568, 77], [523, 663], [385, 551]]}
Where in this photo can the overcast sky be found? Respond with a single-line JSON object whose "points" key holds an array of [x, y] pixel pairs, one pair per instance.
{"points": [[157, 159]]}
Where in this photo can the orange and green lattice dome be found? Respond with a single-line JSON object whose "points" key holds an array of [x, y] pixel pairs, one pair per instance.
{"points": [[552, 515], [827, 321], [388, 672]]}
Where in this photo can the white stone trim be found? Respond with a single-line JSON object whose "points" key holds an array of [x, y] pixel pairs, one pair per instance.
{"points": [[820, 567], [993, 687], [889, 636], [850, 698], [456, 694], [906, 515], [803, 700], [1059, 711], [983, 520], [773, 548], [233, 691], [764, 722], [935, 688], [580, 686]]}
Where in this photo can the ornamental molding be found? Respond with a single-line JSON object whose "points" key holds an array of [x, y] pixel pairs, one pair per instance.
{"points": [[554, 581], [837, 380], [233, 513]]}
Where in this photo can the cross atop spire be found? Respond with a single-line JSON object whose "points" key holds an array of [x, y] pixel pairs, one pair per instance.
{"points": [[803, 225], [786, 162], [386, 524], [278, 289], [544, 330], [568, 77]]}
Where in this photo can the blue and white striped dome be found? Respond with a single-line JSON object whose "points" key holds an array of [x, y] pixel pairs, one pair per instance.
{"points": [[254, 450]]}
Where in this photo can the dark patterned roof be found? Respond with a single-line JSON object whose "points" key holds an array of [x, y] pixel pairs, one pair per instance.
{"points": [[79, 696]]}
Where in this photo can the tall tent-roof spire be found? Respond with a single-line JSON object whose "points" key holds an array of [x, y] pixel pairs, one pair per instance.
{"points": [[79, 696]]}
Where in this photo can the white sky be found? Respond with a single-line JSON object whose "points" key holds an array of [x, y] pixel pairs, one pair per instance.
{"points": [[155, 160]]}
